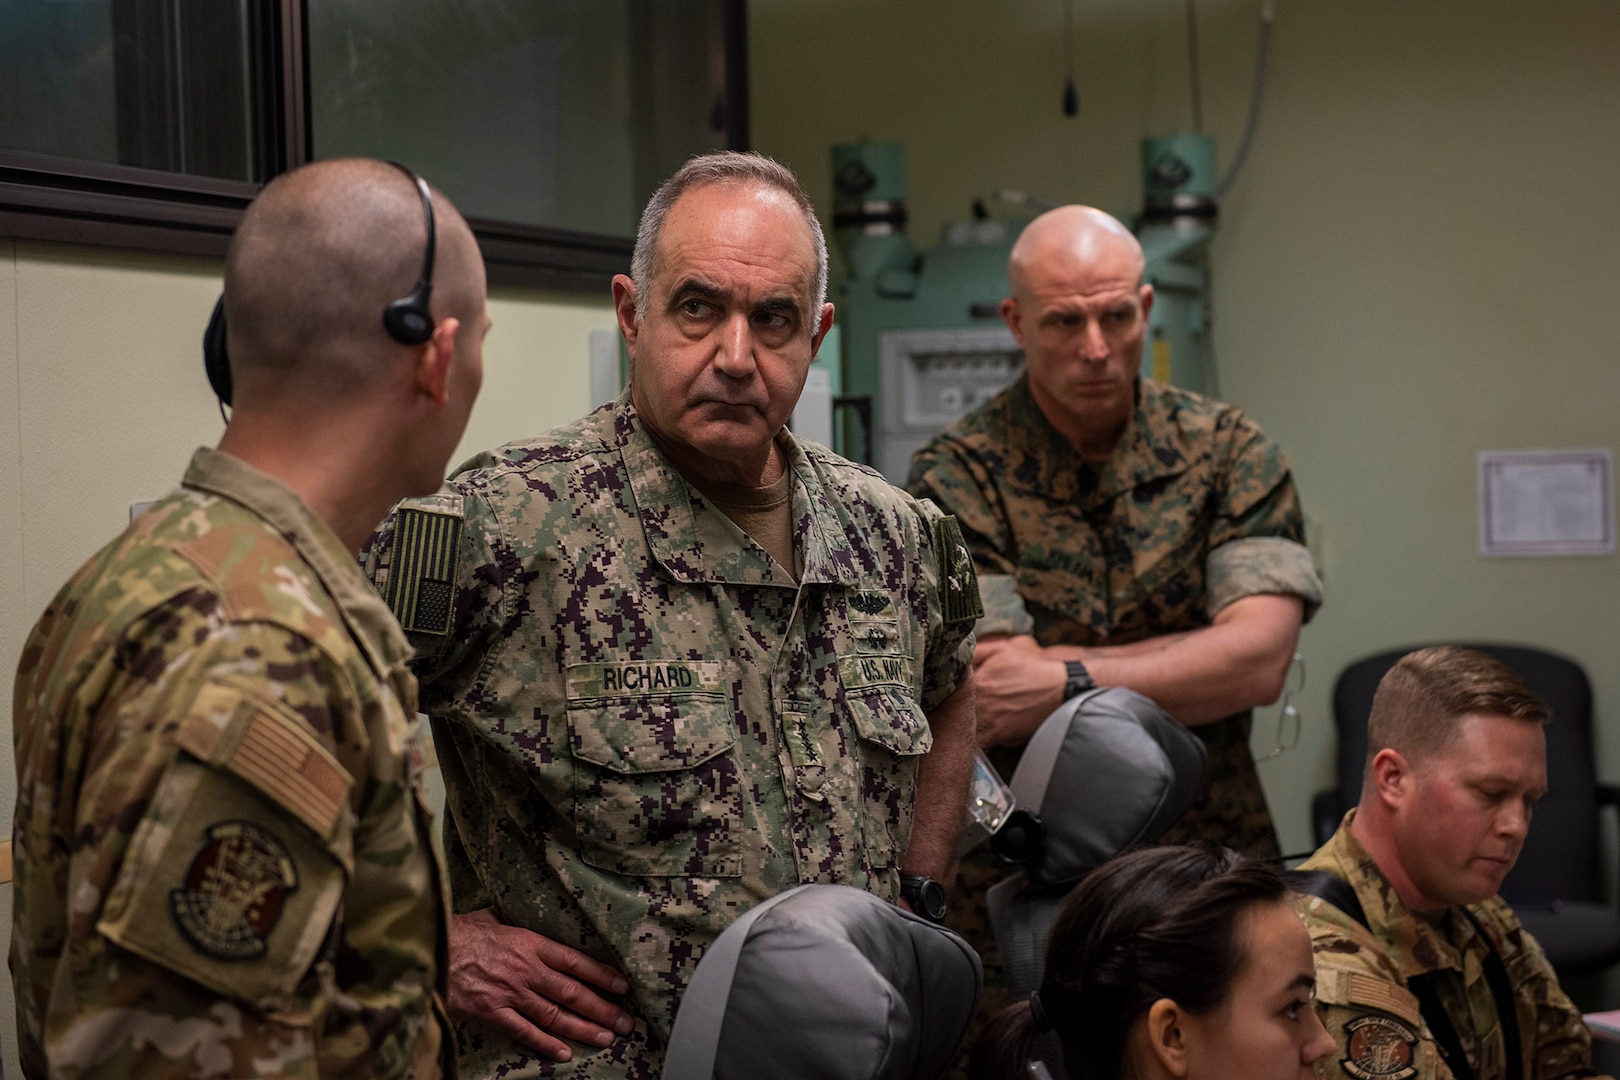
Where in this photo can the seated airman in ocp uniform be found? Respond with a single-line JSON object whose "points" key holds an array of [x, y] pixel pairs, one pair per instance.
{"points": [[1423, 971]]}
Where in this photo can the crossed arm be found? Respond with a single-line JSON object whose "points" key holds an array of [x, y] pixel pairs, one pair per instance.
{"points": [[1198, 676]]}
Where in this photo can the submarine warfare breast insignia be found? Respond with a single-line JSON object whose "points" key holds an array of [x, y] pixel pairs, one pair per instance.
{"points": [[234, 891]]}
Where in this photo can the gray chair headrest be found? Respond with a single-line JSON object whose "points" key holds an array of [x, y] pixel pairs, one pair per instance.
{"points": [[1109, 770], [826, 982]]}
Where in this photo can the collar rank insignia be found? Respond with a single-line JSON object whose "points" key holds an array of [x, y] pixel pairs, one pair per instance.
{"points": [[958, 583], [234, 892]]}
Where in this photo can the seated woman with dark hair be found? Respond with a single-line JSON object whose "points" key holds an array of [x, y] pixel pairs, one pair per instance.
{"points": [[1172, 963]]}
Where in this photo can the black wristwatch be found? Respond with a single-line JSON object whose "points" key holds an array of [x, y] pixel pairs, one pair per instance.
{"points": [[1080, 679], [925, 895]]}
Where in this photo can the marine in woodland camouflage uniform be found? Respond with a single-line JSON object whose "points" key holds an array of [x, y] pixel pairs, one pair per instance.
{"points": [[223, 862], [1195, 509], [646, 724], [1105, 510], [1363, 998]]}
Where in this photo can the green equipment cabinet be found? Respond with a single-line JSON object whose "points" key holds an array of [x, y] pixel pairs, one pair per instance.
{"points": [[1177, 222], [923, 339]]}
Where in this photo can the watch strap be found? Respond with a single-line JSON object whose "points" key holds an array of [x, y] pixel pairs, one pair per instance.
{"points": [[914, 889], [1079, 680]]}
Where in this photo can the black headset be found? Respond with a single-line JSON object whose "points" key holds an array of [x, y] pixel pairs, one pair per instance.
{"points": [[407, 319]]}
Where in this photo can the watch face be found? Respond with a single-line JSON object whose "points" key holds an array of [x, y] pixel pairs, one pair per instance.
{"points": [[933, 900]]}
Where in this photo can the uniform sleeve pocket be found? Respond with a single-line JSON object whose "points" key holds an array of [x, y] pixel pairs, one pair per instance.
{"points": [[656, 786], [891, 719], [237, 869], [893, 733]]}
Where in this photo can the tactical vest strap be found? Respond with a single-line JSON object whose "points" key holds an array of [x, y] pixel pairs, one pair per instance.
{"points": [[1507, 1013], [1330, 887], [1440, 1025]]}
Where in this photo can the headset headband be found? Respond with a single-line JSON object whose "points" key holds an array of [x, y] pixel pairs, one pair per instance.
{"points": [[408, 320]]}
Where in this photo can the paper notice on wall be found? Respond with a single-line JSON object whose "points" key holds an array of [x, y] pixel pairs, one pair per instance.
{"points": [[1546, 502]]}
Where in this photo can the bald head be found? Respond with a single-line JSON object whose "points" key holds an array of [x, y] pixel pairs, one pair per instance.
{"points": [[1071, 239], [1079, 311], [318, 256]]}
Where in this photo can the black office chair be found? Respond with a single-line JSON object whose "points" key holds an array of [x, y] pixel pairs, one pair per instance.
{"points": [[1555, 887]]}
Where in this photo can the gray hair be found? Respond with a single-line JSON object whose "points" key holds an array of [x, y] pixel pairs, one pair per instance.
{"points": [[723, 167]]}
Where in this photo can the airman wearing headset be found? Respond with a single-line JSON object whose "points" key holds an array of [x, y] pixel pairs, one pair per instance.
{"points": [[221, 867]]}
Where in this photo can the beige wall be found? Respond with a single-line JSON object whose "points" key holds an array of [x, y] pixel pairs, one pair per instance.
{"points": [[1419, 262], [103, 399]]}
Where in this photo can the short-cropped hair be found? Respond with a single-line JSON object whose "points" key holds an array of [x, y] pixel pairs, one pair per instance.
{"points": [[724, 167], [1421, 700]]}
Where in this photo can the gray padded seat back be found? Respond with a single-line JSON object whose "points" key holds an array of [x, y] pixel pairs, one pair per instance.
{"points": [[826, 982], [1108, 771]]}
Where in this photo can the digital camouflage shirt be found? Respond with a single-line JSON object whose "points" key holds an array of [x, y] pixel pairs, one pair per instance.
{"points": [[224, 865], [646, 725], [1363, 998], [1195, 509]]}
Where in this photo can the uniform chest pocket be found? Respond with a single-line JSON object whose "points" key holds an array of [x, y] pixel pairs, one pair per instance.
{"points": [[1167, 561], [657, 791], [892, 733]]}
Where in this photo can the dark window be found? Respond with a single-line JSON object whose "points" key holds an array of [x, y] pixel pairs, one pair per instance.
{"points": [[150, 123]]}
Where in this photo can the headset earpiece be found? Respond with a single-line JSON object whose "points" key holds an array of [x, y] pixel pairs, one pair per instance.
{"points": [[408, 320], [215, 359]]}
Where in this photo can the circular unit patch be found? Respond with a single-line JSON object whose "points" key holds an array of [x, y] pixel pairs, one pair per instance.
{"points": [[1379, 1048], [235, 889]]}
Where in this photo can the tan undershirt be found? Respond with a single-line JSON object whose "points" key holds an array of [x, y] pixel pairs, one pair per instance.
{"points": [[764, 513]]}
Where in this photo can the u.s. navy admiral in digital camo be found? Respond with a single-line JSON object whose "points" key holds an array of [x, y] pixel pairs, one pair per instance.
{"points": [[1422, 971], [677, 659], [223, 865]]}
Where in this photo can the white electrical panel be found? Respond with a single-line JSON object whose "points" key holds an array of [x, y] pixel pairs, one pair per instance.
{"points": [[932, 378]]}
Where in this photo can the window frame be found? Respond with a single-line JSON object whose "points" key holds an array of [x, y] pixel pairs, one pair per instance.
{"points": [[68, 200]]}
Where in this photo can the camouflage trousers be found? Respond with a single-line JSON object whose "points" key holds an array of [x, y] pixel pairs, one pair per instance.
{"points": [[1229, 809]]}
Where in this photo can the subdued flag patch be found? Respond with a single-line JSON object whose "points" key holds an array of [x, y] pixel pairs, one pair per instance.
{"points": [[422, 570]]}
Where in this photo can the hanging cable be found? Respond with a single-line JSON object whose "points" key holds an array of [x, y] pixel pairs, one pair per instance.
{"points": [[1071, 96], [1192, 69], [1262, 62]]}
